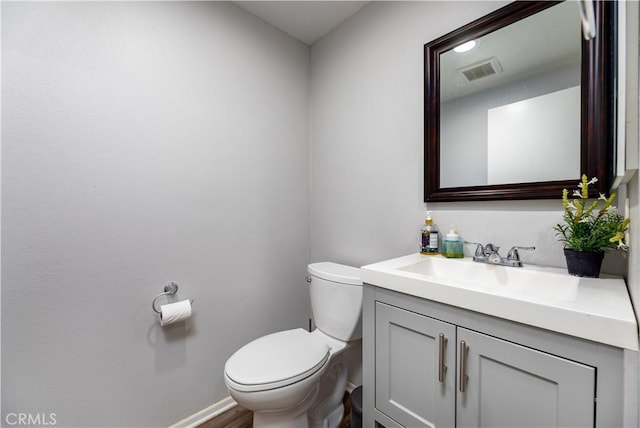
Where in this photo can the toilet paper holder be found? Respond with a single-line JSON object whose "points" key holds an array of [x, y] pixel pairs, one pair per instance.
{"points": [[170, 289]]}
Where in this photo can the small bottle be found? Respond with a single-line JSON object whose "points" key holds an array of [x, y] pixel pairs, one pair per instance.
{"points": [[452, 245], [424, 237], [429, 236]]}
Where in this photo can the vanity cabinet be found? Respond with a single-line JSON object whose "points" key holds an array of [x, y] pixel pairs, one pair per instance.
{"points": [[427, 364]]}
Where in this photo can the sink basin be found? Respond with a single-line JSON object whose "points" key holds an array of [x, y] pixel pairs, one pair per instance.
{"points": [[526, 283], [597, 309]]}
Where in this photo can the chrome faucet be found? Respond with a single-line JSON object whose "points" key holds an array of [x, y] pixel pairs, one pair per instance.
{"points": [[490, 254]]}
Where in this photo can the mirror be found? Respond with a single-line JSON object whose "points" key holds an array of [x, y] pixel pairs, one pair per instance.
{"points": [[526, 111]]}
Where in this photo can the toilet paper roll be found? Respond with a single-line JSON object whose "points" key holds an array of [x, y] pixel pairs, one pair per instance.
{"points": [[175, 312]]}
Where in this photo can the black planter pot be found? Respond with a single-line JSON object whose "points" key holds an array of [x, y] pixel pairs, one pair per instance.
{"points": [[584, 263]]}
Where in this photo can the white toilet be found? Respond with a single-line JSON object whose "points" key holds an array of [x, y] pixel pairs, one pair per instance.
{"points": [[296, 378]]}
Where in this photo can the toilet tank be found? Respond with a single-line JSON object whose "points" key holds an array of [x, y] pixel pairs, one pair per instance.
{"points": [[336, 299]]}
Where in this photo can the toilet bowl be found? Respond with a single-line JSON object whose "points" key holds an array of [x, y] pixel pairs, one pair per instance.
{"points": [[296, 378]]}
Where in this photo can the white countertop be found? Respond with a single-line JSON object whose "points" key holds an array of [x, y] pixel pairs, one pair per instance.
{"points": [[597, 309]]}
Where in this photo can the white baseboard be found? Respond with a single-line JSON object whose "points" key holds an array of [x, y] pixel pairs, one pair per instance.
{"points": [[206, 414], [218, 408]]}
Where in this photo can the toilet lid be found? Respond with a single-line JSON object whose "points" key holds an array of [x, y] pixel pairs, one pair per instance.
{"points": [[335, 272], [276, 360]]}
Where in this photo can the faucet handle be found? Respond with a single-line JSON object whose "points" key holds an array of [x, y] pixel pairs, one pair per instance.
{"points": [[490, 248], [513, 252], [480, 251]]}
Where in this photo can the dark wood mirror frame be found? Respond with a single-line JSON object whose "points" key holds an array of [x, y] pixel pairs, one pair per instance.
{"points": [[597, 113]]}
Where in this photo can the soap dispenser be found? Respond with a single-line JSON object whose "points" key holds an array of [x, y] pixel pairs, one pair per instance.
{"points": [[452, 245], [429, 236]]}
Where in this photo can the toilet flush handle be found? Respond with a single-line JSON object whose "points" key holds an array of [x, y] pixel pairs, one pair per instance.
{"points": [[308, 278]]}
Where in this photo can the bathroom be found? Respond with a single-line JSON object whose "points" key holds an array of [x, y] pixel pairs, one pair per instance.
{"points": [[193, 142]]}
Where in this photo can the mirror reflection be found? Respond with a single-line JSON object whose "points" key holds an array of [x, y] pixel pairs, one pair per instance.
{"points": [[510, 104]]}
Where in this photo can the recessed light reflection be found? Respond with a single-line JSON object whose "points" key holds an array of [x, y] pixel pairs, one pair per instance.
{"points": [[467, 46]]}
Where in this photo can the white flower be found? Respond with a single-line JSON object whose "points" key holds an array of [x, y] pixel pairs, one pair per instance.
{"points": [[592, 181], [603, 197], [577, 193]]}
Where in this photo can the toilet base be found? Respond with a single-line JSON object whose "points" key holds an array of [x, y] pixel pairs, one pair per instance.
{"points": [[327, 411], [331, 420], [295, 417], [266, 420]]}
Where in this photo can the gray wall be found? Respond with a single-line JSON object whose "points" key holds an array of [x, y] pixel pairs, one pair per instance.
{"points": [[632, 369], [367, 145], [141, 143]]}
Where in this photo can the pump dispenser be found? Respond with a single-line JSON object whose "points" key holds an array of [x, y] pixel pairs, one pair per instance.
{"points": [[430, 241], [452, 246]]}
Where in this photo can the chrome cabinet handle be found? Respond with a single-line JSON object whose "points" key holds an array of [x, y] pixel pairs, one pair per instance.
{"points": [[464, 349], [442, 368]]}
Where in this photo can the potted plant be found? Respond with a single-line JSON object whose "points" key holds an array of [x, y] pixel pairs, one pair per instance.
{"points": [[589, 229]]}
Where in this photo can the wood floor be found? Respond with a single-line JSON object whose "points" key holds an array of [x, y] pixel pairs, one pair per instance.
{"points": [[239, 417]]}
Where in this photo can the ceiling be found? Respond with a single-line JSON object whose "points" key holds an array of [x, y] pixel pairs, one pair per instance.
{"points": [[307, 21]]}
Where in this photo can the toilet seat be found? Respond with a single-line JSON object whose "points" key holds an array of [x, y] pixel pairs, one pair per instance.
{"points": [[276, 360]]}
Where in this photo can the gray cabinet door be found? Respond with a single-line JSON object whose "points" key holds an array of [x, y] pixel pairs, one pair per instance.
{"points": [[409, 355], [512, 386]]}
